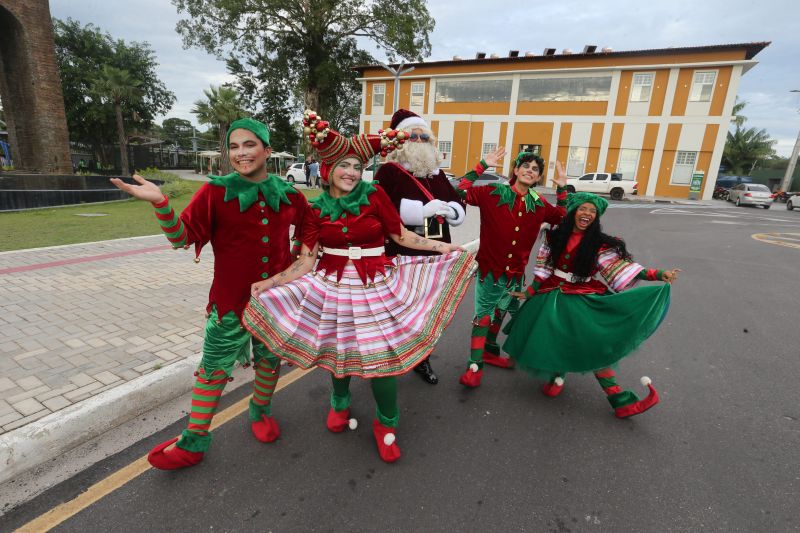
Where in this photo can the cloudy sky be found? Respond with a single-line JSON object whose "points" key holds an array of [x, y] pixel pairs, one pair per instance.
{"points": [[466, 26]]}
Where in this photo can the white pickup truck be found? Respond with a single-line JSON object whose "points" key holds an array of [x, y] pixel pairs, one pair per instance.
{"points": [[610, 183]]}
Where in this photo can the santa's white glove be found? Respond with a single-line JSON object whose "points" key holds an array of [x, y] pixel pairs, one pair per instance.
{"points": [[436, 208], [457, 214]]}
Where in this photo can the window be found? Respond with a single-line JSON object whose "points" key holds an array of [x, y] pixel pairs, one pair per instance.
{"points": [[641, 87], [473, 91], [488, 147], [417, 95], [587, 177], [616, 176], [595, 89], [445, 147], [576, 160], [684, 166], [378, 94], [628, 161], [535, 149], [702, 86]]}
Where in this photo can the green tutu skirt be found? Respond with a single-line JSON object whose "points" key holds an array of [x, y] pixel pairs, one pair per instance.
{"points": [[557, 333]]}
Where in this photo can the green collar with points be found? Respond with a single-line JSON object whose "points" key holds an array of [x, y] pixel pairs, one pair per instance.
{"points": [[350, 203], [508, 195], [274, 190]]}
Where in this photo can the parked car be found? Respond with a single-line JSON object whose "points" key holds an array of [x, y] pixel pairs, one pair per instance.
{"points": [[610, 183], [296, 173], [792, 202], [751, 194], [728, 182], [487, 178]]}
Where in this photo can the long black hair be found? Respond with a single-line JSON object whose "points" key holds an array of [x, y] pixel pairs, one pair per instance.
{"points": [[586, 254]]}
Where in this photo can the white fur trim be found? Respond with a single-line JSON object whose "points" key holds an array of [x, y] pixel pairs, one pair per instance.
{"points": [[352, 424], [412, 122], [559, 381], [646, 381], [473, 367], [460, 214], [411, 212], [389, 439]]}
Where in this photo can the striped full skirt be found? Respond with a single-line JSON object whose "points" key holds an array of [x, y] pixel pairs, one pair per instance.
{"points": [[380, 329]]}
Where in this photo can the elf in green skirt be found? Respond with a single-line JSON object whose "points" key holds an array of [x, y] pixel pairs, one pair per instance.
{"points": [[573, 322]]}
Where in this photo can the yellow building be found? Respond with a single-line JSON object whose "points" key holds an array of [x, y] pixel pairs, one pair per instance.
{"points": [[656, 116]]}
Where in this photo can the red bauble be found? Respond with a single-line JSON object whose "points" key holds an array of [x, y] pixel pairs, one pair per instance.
{"points": [[391, 134], [320, 126], [312, 116]]}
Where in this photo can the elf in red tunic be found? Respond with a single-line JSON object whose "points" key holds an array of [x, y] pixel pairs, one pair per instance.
{"points": [[359, 313], [246, 216], [511, 216], [573, 321], [427, 202]]}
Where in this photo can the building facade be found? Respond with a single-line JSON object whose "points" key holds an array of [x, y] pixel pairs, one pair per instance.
{"points": [[656, 116]]}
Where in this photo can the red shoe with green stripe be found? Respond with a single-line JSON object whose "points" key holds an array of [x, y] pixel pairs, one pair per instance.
{"points": [[553, 388], [266, 429], [497, 360], [385, 439], [640, 406], [174, 458], [472, 377]]}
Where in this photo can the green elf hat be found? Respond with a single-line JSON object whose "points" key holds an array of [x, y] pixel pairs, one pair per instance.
{"points": [[250, 124], [577, 198]]}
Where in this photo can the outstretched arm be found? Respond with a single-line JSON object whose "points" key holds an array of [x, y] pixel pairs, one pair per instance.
{"points": [[415, 242], [653, 274], [170, 223], [492, 159], [298, 269]]}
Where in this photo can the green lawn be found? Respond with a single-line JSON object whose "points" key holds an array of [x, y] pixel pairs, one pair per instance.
{"points": [[50, 227]]}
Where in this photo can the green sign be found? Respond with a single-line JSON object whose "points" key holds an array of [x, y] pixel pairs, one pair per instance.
{"points": [[697, 181]]}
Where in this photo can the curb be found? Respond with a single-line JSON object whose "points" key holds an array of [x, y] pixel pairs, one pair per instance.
{"points": [[42, 440]]}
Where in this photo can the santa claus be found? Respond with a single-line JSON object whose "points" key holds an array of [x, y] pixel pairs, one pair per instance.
{"points": [[427, 202]]}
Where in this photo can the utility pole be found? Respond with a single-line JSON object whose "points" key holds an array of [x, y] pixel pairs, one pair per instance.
{"points": [[787, 178], [399, 71]]}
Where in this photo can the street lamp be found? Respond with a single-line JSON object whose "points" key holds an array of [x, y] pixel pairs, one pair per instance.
{"points": [[397, 73], [787, 178]]}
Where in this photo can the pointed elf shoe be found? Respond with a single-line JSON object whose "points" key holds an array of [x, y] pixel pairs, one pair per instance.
{"points": [[497, 360], [172, 459], [266, 429], [639, 406], [554, 387], [472, 377], [338, 421], [385, 439]]}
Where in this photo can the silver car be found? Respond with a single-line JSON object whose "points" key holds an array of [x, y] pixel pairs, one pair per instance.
{"points": [[750, 194]]}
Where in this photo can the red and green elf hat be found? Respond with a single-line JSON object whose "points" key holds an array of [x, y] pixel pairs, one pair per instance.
{"points": [[577, 198], [258, 128], [333, 147]]}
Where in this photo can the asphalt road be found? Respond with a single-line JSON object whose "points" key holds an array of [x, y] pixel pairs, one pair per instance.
{"points": [[719, 453]]}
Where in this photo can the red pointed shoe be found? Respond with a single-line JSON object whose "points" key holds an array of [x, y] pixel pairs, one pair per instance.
{"points": [[495, 360], [266, 429], [641, 406], [553, 388], [172, 459], [385, 439], [338, 421], [472, 377]]}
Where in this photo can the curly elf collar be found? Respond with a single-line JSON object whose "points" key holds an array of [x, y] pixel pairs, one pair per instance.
{"points": [[350, 203], [274, 190], [577, 198]]}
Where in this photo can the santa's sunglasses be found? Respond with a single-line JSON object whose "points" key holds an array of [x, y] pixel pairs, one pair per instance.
{"points": [[424, 137]]}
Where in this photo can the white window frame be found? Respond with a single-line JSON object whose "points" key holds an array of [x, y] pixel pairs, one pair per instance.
{"points": [[700, 80], [645, 80], [635, 165], [446, 150], [685, 162], [417, 89], [573, 163], [381, 93]]}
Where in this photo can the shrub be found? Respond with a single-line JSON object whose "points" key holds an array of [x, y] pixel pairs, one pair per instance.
{"points": [[172, 186]]}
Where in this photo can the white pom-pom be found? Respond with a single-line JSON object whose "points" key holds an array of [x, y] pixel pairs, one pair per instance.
{"points": [[352, 424], [646, 381], [473, 367], [388, 439], [559, 381]]}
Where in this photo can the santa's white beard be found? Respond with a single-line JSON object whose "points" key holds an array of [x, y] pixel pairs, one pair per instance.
{"points": [[420, 158]]}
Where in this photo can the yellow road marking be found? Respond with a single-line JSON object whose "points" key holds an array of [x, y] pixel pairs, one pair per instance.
{"points": [[105, 486], [780, 239]]}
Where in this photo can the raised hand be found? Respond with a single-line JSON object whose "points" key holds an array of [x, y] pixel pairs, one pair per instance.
{"points": [[492, 159], [670, 275], [561, 175], [146, 190]]}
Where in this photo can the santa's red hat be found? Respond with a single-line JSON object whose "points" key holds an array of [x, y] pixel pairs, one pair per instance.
{"points": [[403, 119]]}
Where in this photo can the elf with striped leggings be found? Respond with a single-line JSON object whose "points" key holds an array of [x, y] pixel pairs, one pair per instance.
{"points": [[246, 216]]}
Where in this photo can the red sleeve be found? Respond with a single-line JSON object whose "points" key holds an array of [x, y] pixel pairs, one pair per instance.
{"points": [[198, 216], [302, 211], [553, 214], [475, 195], [387, 212], [311, 225]]}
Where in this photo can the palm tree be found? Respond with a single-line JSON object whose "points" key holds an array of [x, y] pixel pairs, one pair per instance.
{"points": [[738, 118], [118, 87], [221, 107], [745, 147]]}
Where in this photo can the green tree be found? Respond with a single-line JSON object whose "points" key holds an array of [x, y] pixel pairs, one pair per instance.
{"points": [[745, 147], [120, 89], [738, 118], [222, 105], [177, 131], [82, 52], [304, 40]]}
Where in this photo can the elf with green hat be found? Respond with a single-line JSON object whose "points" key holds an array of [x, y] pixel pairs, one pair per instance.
{"points": [[511, 216], [246, 216], [574, 322]]}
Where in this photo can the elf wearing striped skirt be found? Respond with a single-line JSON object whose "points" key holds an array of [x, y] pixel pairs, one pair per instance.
{"points": [[358, 313]]}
